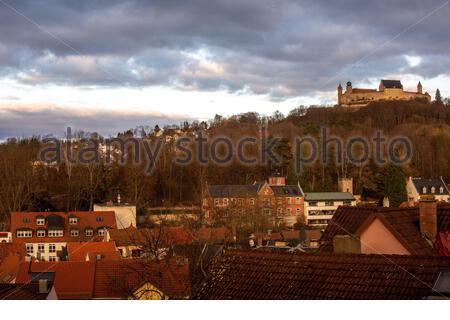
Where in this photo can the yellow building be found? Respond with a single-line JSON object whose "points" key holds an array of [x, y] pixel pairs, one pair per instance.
{"points": [[387, 90]]}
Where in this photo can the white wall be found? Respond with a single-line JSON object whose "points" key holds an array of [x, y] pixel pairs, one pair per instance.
{"points": [[125, 215]]}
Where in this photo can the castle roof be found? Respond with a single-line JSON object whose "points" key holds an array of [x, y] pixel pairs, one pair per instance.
{"points": [[392, 84]]}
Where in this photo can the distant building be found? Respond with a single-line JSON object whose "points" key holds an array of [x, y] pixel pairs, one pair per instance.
{"points": [[46, 234], [418, 187], [125, 213], [274, 200], [387, 90], [321, 206]]}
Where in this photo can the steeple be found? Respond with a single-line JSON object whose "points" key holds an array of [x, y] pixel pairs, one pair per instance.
{"points": [[339, 91], [419, 88]]}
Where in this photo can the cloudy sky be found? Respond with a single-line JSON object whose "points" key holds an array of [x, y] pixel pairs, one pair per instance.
{"points": [[106, 66]]}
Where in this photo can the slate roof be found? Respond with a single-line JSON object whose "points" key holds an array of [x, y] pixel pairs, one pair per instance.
{"points": [[391, 84], [240, 274], [404, 222], [286, 191], [234, 191], [437, 183], [328, 196]]}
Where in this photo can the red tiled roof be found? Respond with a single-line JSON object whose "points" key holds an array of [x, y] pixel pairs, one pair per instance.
{"points": [[78, 251], [443, 244], [86, 219], [273, 275], [119, 279], [213, 235], [403, 223], [74, 280], [165, 236], [21, 292]]}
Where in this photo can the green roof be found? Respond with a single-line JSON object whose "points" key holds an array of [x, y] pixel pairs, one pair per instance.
{"points": [[328, 196]]}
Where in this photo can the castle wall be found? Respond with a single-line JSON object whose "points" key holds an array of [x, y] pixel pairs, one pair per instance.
{"points": [[363, 98]]}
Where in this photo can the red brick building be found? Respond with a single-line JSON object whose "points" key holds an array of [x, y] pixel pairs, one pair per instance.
{"points": [[273, 200]]}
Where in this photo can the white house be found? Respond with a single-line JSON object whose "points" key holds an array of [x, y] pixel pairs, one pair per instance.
{"points": [[320, 206], [417, 187]]}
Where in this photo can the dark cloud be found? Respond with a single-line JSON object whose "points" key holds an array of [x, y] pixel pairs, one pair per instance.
{"points": [[281, 47], [18, 120]]}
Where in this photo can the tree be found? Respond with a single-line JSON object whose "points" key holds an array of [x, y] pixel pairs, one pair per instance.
{"points": [[395, 185], [438, 97]]}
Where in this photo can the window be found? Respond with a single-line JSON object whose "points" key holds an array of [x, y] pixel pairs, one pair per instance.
{"points": [[424, 190], [289, 210], [89, 232], [329, 203], [29, 247], [225, 201], [99, 219], [73, 220], [313, 203], [40, 233], [297, 211], [74, 233], [252, 201], [52, 248], [41, 247], [288, 200], [216, 202], [279, 211], [26, 220], [441, 190], [24, 233], [266, 202], [56, 233], [433, 189], [52, 259], [40, 221], [101, 231], [347, 202]]}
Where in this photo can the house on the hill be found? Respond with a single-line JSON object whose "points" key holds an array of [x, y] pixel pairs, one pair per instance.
{"points": [[387, 90], [418, 187]]}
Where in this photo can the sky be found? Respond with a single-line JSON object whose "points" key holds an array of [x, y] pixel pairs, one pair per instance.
{"points": [[107, 66]]}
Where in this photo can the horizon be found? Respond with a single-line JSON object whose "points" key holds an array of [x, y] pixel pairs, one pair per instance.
{"points": [[65, 65]]}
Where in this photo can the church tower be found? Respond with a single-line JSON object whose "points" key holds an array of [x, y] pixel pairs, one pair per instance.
{"points": [[348, 89], [419, 88]]}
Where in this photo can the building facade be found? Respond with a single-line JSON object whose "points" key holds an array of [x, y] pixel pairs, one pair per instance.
{"points": [[273, 200], [387, 90], [418, 187], [46, 234], [321, 206]]}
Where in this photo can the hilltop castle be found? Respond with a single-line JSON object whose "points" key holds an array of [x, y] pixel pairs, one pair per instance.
{"points": [[387, 90]]}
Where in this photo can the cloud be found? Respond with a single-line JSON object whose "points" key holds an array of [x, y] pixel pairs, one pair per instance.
{"points": [[279, 47]]}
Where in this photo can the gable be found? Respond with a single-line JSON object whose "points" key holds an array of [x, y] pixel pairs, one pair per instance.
{"points": [[378, 239], [265, 190]]}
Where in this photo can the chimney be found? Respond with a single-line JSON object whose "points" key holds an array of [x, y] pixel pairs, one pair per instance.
{"points": [[428, 217], [346, 244], [43, 286]]}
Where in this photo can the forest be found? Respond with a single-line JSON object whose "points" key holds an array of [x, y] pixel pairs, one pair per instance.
{"points": [[27, 184]]}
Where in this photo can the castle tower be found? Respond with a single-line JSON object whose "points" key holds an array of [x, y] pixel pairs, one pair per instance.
{"points": [[348, 89], [345, 185], [339, 90], [419, 88]]}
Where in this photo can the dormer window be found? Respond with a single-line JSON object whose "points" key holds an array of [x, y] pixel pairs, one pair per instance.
{"points": [[40, 221], [40, 233], [101, 231], [89, 232], [73, 220], [424, 190], [99, 219], [433, 189], [74, 233], [441, 190], [26, 220]]}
